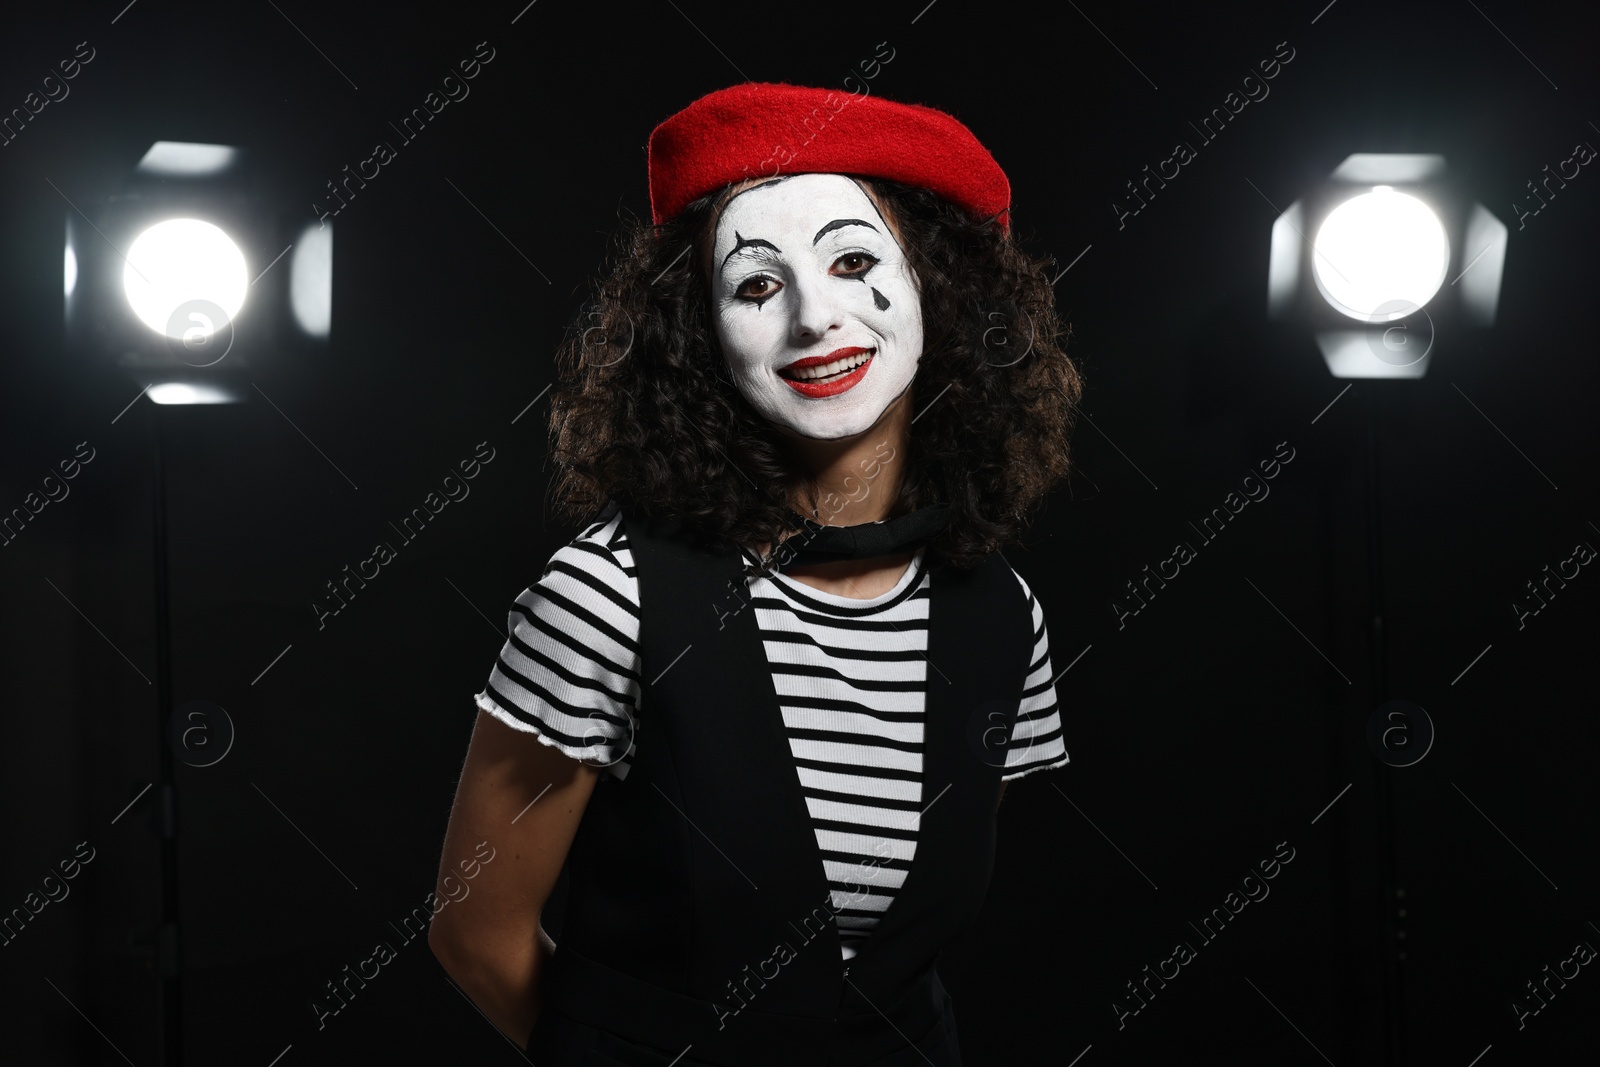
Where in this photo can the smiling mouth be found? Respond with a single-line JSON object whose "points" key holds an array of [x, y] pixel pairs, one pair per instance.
{"points": [[825, 369]]}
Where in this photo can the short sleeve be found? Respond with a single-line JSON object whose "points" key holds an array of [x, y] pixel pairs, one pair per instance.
{"points": [[1036, 738], [569, 670]]}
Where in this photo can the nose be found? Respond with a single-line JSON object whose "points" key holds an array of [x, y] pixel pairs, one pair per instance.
{"points": [[815, 308]]}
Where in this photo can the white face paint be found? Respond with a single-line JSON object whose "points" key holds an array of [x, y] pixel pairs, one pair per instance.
{"points": [[805, 269]]}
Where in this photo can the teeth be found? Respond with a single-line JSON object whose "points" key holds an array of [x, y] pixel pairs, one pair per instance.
{"points": [[824, 370]]}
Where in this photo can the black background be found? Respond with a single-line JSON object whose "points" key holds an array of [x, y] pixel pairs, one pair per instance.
{"points": [[1218, 722]]}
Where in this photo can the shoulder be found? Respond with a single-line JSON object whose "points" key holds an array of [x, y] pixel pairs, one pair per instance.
{"points": [[1033, 612], [604, 542], [1037, 735], [587, 599], [1025, 592], [598, 562]]}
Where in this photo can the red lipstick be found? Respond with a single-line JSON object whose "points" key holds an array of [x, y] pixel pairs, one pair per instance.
{"points": [[835, 385]]}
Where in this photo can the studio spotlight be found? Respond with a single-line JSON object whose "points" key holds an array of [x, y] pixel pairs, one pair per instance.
{"points": [[1378, 257], [1394, 247], [193, 271], [180, 262]]}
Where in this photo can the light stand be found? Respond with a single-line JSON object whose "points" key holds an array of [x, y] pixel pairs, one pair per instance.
{"points": [[177, 281]]}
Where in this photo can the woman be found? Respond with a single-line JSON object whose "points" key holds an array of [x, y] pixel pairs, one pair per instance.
{"points": [[763, 708]]}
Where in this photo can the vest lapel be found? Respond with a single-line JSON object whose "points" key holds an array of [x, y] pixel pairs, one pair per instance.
{"points": [[789, 839], [712, 739]]}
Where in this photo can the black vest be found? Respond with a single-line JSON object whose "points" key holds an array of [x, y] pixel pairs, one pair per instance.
{"points": [[698, 910]]}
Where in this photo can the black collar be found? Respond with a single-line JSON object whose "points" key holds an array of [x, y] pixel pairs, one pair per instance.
{"points": [[829, 544]]}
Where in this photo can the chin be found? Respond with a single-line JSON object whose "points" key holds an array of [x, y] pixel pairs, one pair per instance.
{"points": [[831, 431]]}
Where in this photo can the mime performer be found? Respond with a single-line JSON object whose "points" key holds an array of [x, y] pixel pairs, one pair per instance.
{"points": [[762, 709]]}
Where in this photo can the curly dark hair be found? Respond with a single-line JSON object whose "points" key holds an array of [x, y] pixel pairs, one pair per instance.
{"points": [[645, 412]]}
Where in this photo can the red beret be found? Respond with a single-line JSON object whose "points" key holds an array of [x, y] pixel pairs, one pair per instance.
{"points": [[762, 129]]}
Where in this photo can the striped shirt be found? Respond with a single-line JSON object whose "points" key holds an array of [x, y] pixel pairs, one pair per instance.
{"points": [[851, 679]]}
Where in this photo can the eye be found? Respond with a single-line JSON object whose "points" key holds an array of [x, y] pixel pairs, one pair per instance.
{"points": [[757, 290], [855, 264]]}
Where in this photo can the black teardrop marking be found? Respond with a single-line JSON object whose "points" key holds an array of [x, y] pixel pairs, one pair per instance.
{"points": [[879, 299]]}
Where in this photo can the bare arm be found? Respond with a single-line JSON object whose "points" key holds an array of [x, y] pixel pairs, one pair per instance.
{"points": [[1002, 795], [489, 940]]}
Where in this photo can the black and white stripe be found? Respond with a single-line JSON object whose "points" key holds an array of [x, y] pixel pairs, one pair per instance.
{"points": [[851, 677]]}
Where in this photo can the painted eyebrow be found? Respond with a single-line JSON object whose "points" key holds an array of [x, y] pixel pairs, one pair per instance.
{"points": [[742, 242], [839, 224]]}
